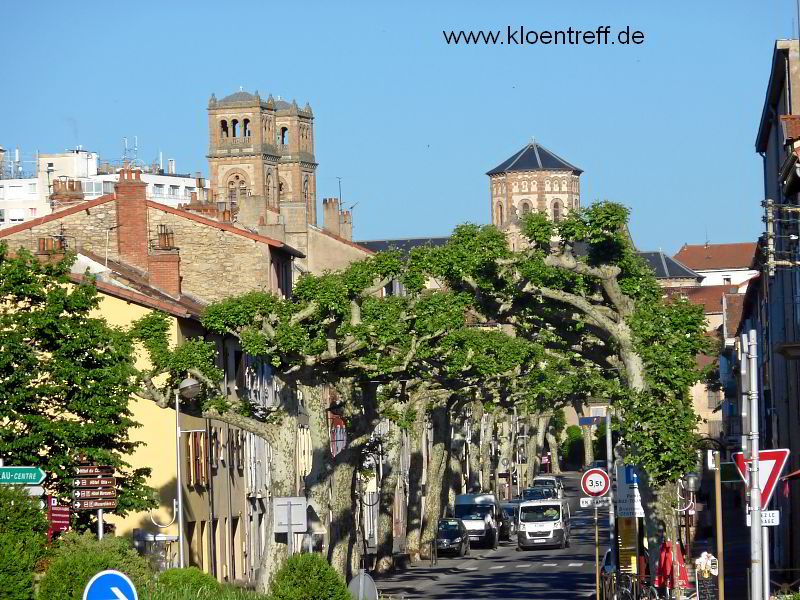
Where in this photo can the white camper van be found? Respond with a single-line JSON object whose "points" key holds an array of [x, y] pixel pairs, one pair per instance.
{"points": [[543, 523], [481, 516]]}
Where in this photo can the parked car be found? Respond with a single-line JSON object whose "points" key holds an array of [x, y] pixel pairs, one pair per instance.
{"points": [[543, 523], [452, 536], [511, 509]]}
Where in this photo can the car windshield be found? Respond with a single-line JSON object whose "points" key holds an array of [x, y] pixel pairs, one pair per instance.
{"points": [[539, 514], [448, 527], [509, 510], [544, 483], [473, 511]]}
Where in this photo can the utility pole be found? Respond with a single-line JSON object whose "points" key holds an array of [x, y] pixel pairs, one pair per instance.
{"points": [[718, 507], [756, 553], [612, 532]]}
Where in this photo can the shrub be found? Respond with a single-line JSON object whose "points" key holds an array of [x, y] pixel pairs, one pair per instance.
{"points": [[78, 558], [190, 579], [23, 535], [572, 446], [308, 577]]}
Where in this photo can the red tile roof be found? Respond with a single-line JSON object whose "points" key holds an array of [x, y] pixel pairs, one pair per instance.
{"points": [[734, 307], [710, 296], [701, 257]]}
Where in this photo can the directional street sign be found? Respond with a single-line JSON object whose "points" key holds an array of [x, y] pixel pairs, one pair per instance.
{"points": [[769, 518], [34, 490], [21, 475], [595, 482], [93, 504], [92, 470], [99, 493], [110, 585], [591, 420], [94, 482], [771, 464]]}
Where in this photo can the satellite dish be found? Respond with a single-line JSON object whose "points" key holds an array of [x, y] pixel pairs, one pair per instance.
{"points": [[362, 587]]}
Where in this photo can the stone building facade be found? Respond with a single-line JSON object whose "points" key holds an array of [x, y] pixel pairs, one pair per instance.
{"points": [[532, 179]]}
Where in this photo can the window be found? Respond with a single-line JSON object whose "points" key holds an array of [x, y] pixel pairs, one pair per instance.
{"points": [[187, 192], [246, 128], [173, 191], [284, 136], [2, 192], [16, 215], [726, 280], [31, 212], [712, 399], [31, 188], [557, 211], [235, 127], [526, 208], [158, 190], [499, 215], [108, 187], [196, 458], [223, 128], [2, 215], [524, 186]]}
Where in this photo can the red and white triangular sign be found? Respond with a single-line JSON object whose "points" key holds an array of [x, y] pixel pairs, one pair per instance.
{"points": [[771, 464]]}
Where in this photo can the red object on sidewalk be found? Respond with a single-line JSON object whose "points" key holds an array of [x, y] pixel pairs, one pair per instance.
{"points": [[664, 575]]}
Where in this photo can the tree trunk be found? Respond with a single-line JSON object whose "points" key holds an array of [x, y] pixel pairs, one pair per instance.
{"points": [[343, 551], [318, 481], [391, 470], [586, 432], [474, 448], [283, 484], [436, 480], [455, 459], [486, 451], [555, 463], [506, 458], [538, 444], [414, 516]]}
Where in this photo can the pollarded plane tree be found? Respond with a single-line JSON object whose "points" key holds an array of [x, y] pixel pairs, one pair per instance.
{"points": [[582, 282]]}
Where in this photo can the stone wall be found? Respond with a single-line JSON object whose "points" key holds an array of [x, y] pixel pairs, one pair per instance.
{"points": [[326, 252], [215, 263]]}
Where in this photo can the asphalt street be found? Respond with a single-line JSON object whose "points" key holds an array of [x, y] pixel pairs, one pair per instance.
{"points": [[508, 573]]}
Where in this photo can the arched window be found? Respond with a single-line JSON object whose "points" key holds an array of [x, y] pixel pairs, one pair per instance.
{"points": [[223, 128], [231, 191], [557, 214], [499, 216], [246, 128], [282, 191], [235, 127], [546, 185], [524, 186], [526, 208], [284, 136], [305, 189], [534, 186], [269, 189]]}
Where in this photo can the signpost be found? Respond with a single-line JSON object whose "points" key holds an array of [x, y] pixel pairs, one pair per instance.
{"points": [[595, 483], [58, 516], [110, 585], [21, 475], [95, 488], [769, 518], [770, 466], [290, 518]]}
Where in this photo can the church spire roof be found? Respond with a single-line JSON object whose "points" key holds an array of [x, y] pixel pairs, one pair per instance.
{"points": [[534, 157]]}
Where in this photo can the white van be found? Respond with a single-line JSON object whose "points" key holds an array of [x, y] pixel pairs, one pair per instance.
{"points": [[543, 523], [481, 516]]}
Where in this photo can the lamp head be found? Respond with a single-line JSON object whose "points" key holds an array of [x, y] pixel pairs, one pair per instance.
{"points": [[189, 388]]}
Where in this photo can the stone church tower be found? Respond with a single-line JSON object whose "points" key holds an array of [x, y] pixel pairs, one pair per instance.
{"points": [[262, 151], [532, 179]]}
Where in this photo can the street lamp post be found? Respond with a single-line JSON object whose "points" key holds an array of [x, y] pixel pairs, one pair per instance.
{"points": [[188, 388]]}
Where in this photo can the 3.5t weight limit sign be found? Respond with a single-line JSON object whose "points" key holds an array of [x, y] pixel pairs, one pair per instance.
{"points": [[595, 482]]}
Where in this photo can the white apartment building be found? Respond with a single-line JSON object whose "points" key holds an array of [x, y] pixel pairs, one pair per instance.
{"points": [[25, 198]]}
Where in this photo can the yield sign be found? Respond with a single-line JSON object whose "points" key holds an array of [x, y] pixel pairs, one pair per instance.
{"points": [[771, 464]]}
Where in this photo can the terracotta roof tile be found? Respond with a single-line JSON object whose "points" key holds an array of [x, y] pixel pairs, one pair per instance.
{"points": [[734, 307], [710, 296], [701, 257]]}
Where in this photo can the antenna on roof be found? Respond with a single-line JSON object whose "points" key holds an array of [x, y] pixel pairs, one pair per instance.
{"points": [[706, 236]]}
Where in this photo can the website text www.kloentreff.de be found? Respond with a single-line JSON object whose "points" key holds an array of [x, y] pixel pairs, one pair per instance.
{"points": [[520, 36]]}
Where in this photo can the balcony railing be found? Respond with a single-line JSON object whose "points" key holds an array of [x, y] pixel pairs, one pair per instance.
{"points": [[235, 141]]}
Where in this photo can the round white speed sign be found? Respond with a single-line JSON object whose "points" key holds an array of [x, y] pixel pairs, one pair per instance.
{"points": [[595, 482]]}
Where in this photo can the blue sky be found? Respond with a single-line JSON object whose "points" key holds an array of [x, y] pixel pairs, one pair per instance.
{"points": [[410, 123]]}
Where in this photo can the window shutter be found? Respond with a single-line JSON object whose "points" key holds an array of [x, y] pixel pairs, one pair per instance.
{"points": [[189, 460]]}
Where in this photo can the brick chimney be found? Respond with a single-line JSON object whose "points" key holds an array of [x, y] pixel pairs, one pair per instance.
{"points": [[65, 191], [330, 215], [132, 242], [164, 271], [346, 225]]}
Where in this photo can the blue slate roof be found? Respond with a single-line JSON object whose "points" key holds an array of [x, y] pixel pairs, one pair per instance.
{"points": [[403, 244], [534, 157]]}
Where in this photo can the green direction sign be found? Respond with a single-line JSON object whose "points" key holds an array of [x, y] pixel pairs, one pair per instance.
{"points": [[21, 476]]}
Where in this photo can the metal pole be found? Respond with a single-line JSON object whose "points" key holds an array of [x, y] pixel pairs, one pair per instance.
{"points": [[289, 533], [765, 558], [612, 533], [718, 502], [756, 581], [99, 523], [181, 562], [596, 556]]}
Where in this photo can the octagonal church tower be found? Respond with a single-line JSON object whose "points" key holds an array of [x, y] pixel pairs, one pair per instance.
{"points": [[532, 179]]}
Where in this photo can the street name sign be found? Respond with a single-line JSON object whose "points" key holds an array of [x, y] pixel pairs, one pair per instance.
{"points": [[34, 490], [94, 494], [110, 585], [769, 518], [94, 482], [21, 475], [771, 464], [94, 504], [595, 482], [94, 470], [591, 420], [590, 502]]}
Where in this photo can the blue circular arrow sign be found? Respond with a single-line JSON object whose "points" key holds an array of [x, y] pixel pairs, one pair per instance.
{"points": [[110, 585]]}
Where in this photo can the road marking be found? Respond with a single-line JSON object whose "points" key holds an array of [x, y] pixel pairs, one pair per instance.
{"points": [[549, 564], [523, 565], [498, 567], [575, 565], [469, 568]]}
